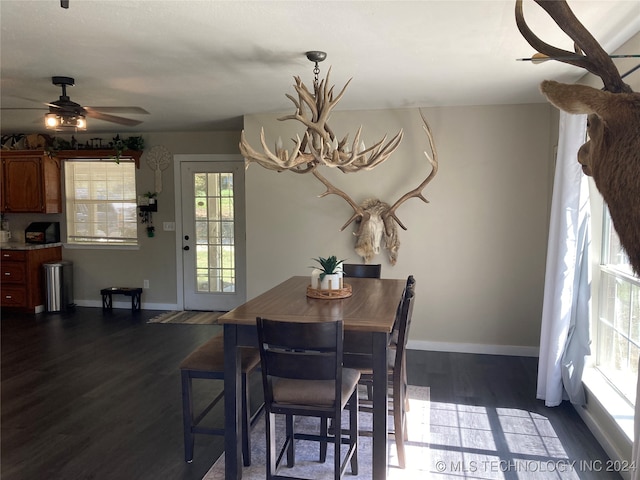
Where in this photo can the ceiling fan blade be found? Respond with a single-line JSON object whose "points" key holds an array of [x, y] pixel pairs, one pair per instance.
{"points": [[33, 100], [130, 110], [22, 108], [112, 118]]}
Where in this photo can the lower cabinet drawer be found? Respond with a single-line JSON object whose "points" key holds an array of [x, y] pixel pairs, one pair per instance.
{"points": [[13, 296], [14, 255], [13, 272]]}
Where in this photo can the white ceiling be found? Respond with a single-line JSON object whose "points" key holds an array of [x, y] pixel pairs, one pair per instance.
{"points": [[202, 65]]}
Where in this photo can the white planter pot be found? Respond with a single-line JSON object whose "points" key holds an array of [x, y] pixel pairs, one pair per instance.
{"points": [[329, 282]]}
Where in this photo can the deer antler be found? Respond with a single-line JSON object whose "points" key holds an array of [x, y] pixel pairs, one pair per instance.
{"points": [[319, 145], [320, 104], [594, 59], [416, 192], [358, 212], [279, 161]]}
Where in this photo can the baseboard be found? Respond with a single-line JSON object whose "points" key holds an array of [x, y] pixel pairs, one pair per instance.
{"points": [[605, 442], [511, 350], [610, 419], [127, 304]]}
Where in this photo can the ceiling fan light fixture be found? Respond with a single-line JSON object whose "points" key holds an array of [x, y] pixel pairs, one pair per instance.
{"points": [[65, 122]]}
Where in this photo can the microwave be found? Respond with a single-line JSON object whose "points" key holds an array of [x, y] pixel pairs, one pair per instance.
{"points": [[42, 232]]}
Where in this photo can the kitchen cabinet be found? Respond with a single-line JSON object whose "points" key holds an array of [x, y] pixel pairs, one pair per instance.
{"points": [[22, 274], [31, 182]]}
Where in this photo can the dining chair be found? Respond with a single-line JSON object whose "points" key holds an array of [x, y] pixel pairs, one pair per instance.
{"points": [[393, 338], [397, 373], [207, 362], [362, 270], [302, 374]]}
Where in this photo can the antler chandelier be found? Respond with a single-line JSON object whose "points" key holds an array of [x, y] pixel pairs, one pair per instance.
{"points": [[319, 144], [376, 219]]}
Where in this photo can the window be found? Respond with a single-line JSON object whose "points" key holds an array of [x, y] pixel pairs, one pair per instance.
{"points": [[101, 202], [214, 198], [618, 321]]}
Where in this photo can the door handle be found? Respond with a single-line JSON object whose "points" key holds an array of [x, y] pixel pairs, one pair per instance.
{"points": [[185, 247]]}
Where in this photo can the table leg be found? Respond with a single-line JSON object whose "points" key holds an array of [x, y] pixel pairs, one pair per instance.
{"points": [[232, 405], [135, 301], [380, 394], [107, 301]]}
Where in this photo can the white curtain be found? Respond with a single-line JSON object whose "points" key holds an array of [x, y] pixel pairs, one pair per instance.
{"points": [[564, 337], [635, 456]]}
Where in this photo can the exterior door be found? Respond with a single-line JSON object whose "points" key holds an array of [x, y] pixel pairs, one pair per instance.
{"points": [[213, 234]]}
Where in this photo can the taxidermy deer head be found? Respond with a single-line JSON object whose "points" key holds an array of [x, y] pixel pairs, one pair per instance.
{"points": [[376, 219], [612, 153]]}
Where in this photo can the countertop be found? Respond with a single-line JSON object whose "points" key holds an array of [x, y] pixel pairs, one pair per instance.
{"points": [[27, 246]]}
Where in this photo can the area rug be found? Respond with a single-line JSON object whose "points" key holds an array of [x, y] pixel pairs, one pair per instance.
{"points": [[307, 465], [191, 317]]}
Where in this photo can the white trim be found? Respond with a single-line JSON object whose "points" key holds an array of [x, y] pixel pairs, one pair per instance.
{"points": [[612, 401], [177, 188], [600, 392], [512, 350], [105, 246], [177, 208]]}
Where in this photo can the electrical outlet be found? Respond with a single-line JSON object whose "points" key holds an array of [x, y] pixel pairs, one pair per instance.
{"points": [[145, 284]]}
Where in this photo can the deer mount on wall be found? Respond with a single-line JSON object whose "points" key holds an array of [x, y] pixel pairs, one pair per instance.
{"points": [[377, 220], [612, 153]]}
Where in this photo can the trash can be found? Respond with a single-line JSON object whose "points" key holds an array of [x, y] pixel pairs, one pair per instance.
{"points": [[58, 278]]}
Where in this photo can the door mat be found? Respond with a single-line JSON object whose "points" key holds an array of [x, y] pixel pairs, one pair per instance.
{"points": [[191, 317]]}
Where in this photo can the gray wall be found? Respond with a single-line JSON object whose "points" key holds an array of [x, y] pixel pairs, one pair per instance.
{"points": [[477, 250]]}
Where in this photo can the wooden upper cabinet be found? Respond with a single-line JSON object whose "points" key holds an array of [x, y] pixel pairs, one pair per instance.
{"points": [[30, 182]]}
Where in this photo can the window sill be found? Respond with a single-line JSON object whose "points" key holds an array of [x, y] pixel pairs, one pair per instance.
{"points": [[612, 402], [106, 246]]}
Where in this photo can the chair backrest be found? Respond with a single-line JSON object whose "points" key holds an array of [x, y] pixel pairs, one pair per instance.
{"points": [[411, 282], [362, 270], [300, 351], [404, 324]]}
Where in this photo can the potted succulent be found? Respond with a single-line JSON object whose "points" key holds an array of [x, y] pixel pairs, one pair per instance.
{"points": [[329, 275], [151, 196]]}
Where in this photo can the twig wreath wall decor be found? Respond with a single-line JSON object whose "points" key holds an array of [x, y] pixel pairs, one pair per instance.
{"points": [[319, 147]]}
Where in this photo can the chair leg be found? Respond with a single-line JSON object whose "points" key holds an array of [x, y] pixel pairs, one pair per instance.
{"points": [[398, 418], [246, 423], [270, 429], [353, 431], [187, 417], [337, 441], [291, 453], [405, 383], [324, 431]]}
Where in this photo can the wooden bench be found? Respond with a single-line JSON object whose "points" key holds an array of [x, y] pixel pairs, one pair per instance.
{"points": [[207, 362], [134, 293]]}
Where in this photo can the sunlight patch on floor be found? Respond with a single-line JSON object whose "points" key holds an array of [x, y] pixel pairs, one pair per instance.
{"points": [[475, 442]]}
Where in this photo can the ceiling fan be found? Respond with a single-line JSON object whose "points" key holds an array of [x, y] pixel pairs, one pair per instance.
{"points": [[66, 114]]}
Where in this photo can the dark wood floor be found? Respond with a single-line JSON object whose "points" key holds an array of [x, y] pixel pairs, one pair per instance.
{"points": [[487, 423], [93, 395]]}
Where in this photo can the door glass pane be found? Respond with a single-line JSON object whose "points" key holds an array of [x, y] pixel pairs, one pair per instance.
{"points": [[215, 247]]}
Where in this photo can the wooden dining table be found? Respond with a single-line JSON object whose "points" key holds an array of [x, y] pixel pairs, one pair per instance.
{"points": [[368, 316]]}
